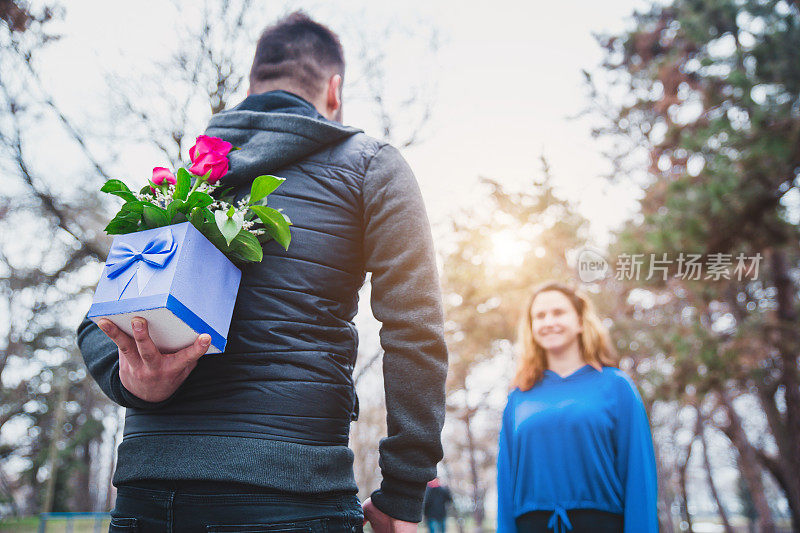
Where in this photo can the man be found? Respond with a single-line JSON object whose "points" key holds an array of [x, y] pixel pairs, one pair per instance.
{"points": [[258, 435], [437, 497]]}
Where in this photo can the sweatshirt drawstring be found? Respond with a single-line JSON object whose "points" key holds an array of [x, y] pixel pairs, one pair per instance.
{"points": [[559, 518]]}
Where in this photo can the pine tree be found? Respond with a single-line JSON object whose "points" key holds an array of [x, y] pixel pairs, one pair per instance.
{"points": [[713, 99]]}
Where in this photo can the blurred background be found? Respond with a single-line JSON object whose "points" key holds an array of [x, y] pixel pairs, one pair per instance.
{"points": [[648, 152]]}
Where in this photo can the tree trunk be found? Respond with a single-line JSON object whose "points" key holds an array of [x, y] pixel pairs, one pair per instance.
{"points": [[748, 465], [477, 499], [456, 510], [709, 474], [109, 484], [82, 497], [8, 490], [788, 482], [786, 340], [780, 466], [52, 455], [682, 468], [665, 496]]}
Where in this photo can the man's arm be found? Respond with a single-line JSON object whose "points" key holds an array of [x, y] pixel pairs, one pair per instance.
{"points": [[406, 299]]}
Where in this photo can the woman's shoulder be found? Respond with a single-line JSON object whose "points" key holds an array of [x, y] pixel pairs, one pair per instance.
{"points": [[511, 405], [517, 396], [621, 382], [513, 395], [614, 374]]}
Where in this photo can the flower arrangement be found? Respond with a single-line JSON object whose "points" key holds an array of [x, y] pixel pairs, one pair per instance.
{"points": [[237, 228]]}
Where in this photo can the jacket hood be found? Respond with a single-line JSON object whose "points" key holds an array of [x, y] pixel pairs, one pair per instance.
{"points": [[272, 130]]}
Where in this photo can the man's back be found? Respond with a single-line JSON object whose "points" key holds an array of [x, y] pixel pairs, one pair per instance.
{"points": [[274, 409]]}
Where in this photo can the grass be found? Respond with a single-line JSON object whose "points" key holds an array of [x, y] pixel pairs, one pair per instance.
{"points": [[30, 524]]}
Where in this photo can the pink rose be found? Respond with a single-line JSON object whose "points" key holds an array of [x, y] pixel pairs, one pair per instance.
{"points": [[209, 154], [205, 144], [210, 161], [160, 175]]}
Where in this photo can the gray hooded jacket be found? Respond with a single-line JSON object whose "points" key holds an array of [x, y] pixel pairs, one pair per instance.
{"points": [[274, 409]]}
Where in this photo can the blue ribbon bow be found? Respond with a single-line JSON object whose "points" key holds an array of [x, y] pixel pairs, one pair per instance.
{"points": [[126, 262], [559, 518]]}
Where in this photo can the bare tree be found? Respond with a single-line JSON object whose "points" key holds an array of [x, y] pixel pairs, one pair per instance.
{"points": [[49, 238], [52, 241], [712, 485], [399, 88]]}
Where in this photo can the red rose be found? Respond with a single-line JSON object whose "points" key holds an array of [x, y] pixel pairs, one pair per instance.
{"points": [[205, 144], [209, 154], [210, 161]]}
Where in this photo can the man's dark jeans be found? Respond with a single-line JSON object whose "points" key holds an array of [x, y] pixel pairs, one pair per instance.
{"points": [[145, 509]]}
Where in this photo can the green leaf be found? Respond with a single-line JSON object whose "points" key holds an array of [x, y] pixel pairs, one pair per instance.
{"points": [[243, 248], [199, 199], [231, 211], [134, 206], [127, 196], [262, 186], [211, 232], [205, 215], [184, 184], [154, 217], [222, 193], [114, 186], [275, 223], [209, 216], [229, 227], [118, 188], [197, 219], [247, 247], [175, 207], [124, 222]]}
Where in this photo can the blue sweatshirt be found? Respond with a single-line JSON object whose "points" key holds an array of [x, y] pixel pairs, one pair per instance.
{"points": [[578, 442]]}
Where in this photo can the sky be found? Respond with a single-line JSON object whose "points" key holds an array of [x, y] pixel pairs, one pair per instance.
{"points": [[505, 83], [511, 80]]}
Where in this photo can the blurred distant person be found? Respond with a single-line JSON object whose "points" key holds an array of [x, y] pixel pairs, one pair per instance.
{"points": [[575, 451], [434, 508]]}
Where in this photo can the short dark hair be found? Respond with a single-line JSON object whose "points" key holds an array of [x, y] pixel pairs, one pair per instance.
{"points": [[297, 52]]}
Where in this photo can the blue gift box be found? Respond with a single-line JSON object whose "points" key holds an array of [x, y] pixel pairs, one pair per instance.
{"points": [[174, 278]]}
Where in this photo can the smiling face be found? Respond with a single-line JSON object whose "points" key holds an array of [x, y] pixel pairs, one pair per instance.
{"points": [[555, 321]]}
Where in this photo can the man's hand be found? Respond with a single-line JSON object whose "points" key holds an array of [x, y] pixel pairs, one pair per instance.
{"points": [[382, 522], [146, 372]]}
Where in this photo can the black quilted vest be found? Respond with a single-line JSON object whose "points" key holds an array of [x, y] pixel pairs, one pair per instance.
{"points": [[286, 373]]}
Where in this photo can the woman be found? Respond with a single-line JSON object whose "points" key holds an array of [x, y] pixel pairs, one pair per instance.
{"points": [[576, 452]]}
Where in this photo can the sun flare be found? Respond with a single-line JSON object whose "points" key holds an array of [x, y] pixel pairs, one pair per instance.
{"points": [[508, 249]]}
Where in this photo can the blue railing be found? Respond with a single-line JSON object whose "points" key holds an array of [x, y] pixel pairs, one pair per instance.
{"points": [[69, 517]]}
